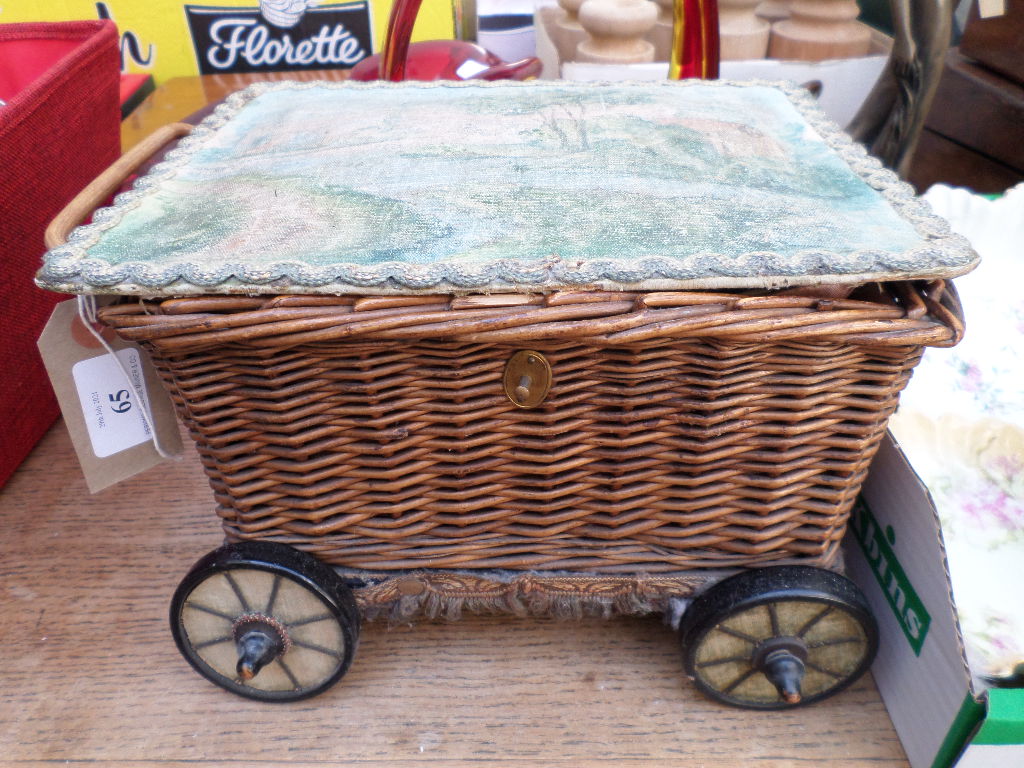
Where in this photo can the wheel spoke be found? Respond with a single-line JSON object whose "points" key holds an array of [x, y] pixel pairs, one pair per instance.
{"points": [[736, 633], [739, 680], [310, 620], [715, 662], [214, 641], [838, 641], [317, 648], [238, 592], [294, 680], [774, 619], [814, 620], [819, 668], [211, 611], [269, 610]]}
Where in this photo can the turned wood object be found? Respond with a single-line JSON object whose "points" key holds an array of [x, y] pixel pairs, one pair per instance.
{"points": [[742, 33], [773, 10], [616, 30], [818, 30], [567, 32], [661, 33]]}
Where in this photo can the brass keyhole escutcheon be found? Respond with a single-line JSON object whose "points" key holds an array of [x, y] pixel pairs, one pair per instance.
{"points": [[527, 378]]}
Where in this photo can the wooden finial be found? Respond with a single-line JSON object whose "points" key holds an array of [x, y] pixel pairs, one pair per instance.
{"points": [[616, 29], [818, 30], [567, 32], [661, 34], [743, 35]]}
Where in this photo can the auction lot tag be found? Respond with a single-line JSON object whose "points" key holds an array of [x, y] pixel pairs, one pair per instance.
{"points": [[112, 415], [101, 405]]}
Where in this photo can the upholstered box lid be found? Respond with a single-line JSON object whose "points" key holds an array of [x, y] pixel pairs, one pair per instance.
{"points": [[427, 188]]}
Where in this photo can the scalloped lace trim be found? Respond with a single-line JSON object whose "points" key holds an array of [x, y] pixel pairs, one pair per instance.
{"points": [[943, 253]]}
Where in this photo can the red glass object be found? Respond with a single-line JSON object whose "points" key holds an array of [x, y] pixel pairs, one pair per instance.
{"points": [[434, 59], [450, 60], [695, 44]]}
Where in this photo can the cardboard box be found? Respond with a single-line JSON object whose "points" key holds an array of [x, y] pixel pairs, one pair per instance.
{"points": [[177, 38], [894, 551]]}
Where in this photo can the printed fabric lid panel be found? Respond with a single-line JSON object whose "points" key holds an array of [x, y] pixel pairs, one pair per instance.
{"points": [[344, 188]]}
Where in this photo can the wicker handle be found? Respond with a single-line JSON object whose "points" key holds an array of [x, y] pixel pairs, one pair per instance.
{"points": [[104, 185]]}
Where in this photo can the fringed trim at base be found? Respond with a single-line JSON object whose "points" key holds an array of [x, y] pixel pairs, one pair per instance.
{"points": [[446, 594]]}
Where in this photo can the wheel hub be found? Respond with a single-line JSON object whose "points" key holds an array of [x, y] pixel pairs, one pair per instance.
{"points": [[259, 640], [781, 659]]}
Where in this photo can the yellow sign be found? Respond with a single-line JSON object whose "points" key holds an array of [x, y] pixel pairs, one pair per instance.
{"points": [[173, 38]]}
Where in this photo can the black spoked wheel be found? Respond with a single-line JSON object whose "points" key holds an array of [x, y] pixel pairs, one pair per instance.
{"points": [[265, 621], [774, 638]]}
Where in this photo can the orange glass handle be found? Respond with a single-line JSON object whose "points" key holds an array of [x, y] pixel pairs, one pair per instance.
{"points": [[396, 40]]}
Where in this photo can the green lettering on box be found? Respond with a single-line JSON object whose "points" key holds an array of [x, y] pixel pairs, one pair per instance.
{"points": [[910, 612]]}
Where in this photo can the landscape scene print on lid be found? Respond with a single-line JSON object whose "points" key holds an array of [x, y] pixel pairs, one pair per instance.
{"points": [[404, 188]]}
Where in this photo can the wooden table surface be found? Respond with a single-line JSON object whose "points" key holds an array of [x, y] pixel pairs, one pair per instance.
{"points": [[91, 675]]}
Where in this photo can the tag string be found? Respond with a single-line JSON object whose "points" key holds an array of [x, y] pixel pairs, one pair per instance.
{"points": [[87, 314]]}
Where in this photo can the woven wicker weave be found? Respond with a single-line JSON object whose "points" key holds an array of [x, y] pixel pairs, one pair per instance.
{"points": [[682, 430]]}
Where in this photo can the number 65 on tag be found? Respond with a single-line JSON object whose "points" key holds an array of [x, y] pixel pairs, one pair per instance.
{"points": [[121, 402], [112, 422]]}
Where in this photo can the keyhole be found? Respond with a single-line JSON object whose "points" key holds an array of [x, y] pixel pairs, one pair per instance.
{"points": [[527, 379], [523, 390]]}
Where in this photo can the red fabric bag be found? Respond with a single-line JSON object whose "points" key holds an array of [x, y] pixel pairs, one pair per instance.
{"points": [[59, 128]]}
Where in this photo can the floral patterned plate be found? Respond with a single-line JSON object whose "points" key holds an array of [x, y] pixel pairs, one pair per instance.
{"points": [[961, 424]]}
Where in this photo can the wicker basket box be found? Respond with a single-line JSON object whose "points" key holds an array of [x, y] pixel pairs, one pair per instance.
{"points": [[682, 430], [457, 368]]}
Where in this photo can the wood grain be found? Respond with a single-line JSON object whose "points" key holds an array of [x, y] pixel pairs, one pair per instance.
{"points": [[980, 110], [941, 161], [998, 41], [91, 675]]}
